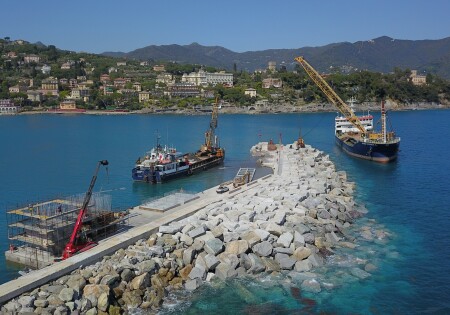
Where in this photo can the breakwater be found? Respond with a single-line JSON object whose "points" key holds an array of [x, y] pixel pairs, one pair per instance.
{"points": [[288, 223]]}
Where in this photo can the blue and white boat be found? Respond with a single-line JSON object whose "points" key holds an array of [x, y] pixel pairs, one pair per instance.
{"points": [[164, 163]]}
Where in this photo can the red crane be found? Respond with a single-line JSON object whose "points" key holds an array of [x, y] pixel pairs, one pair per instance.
{"points": [[76, 243]]}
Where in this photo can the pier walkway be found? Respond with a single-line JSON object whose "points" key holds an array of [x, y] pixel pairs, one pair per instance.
{"points": [[108, 246]]}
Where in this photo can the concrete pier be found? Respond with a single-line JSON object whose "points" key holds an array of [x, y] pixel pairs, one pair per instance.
{"points": [[106, 247]]}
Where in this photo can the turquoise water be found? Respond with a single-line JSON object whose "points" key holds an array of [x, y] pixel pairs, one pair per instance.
{"points": [[45, 156]]}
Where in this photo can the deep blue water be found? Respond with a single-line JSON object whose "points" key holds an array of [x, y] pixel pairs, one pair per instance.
{"points": [[46, 156]]}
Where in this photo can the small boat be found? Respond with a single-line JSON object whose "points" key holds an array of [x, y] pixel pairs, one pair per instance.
{"points": [[160, 163]]}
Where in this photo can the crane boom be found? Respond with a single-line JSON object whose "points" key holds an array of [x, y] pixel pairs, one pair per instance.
{"points": [[71, 247], [331, 94], [210, 135]]}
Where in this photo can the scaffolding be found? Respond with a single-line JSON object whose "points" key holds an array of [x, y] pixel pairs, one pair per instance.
{"points": [[39, 232]]}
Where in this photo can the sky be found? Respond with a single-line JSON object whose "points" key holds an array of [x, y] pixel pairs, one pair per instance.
{"points": [[97, 26]]}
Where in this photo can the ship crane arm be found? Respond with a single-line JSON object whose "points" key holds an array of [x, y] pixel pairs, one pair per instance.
{"points": [[331, 94], [210, 141]]}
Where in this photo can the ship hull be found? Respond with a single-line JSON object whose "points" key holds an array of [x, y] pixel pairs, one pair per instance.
{"points": [[149, 176], [377, 152]]}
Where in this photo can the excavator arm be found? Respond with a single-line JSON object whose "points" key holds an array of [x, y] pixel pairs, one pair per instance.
{"points": [[71, 247], [331, 94]]}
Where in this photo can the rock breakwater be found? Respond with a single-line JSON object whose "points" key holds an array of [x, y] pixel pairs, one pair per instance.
{"points": [[287, 223]]}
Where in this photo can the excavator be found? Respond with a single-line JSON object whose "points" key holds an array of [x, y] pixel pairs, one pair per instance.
{"points": [[77, 243]]}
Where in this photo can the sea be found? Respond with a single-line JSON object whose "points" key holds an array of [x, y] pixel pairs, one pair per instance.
{"points": [[46, 156]]}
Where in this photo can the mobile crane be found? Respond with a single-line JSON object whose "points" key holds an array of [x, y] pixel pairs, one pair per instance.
{"points": [[76, 242]]}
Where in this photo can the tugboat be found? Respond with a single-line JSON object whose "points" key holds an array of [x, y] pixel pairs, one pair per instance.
{"points": [[355, 134], [163, 163]]}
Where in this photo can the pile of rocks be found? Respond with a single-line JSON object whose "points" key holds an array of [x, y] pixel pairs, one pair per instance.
{"points": [[287, 222]]}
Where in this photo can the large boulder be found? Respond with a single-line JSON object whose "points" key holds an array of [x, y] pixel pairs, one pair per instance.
{"points": [[224, 271], [140, 282], [256, 263], [197, 232], [263, 249], [169, 229], [359, 273], [67, 294], [132, 299], [213, 246], [251, 237], [103, 302], [311, 285], [184, 272], [237, 247], [192, 284], [211, 261], [198, 272], [285, 239], [188, 255], [274, 229], [76, 282], [301, 253], [109, 280], [147, 266], [93, 292]]}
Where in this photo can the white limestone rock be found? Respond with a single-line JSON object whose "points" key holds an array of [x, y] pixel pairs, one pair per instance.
{"points": [[285, 239], [263, 249]]}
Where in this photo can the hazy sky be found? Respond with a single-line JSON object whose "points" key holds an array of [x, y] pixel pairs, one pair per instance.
{"points": [[100, 25]]}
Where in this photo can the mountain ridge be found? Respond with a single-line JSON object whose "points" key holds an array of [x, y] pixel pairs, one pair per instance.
{"points": [[381, 54]]}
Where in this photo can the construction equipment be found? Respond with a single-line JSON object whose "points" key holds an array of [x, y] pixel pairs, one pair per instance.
{"points": [[78, 242], [331, 95], [355, 134], [211, 144]]}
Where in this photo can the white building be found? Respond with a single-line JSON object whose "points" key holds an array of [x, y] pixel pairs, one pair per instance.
{"points": [[7, 107], [250, 92], [203, 78]]}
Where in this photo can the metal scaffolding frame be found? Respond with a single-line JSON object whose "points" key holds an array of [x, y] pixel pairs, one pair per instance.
{"points": [[38, 232]]}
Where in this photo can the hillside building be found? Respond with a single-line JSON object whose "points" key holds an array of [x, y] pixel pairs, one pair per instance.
{"points": [[31, 58], [250, 92], [272, 66], [272, 82], [159, 68], [183, 89], [144, 96], [203, 78], [67, 105], [417, 79], [7, 106]]}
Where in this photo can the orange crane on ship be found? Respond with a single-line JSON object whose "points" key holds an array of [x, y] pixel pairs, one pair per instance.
{"points": [[211, 144], [331, 94]]}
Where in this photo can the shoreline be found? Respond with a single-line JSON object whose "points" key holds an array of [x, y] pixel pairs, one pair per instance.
{"points": [[287, 223], [311, 108]]}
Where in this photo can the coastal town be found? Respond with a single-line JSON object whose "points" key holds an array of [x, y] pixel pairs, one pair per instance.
{"points": [[43, 79]]}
